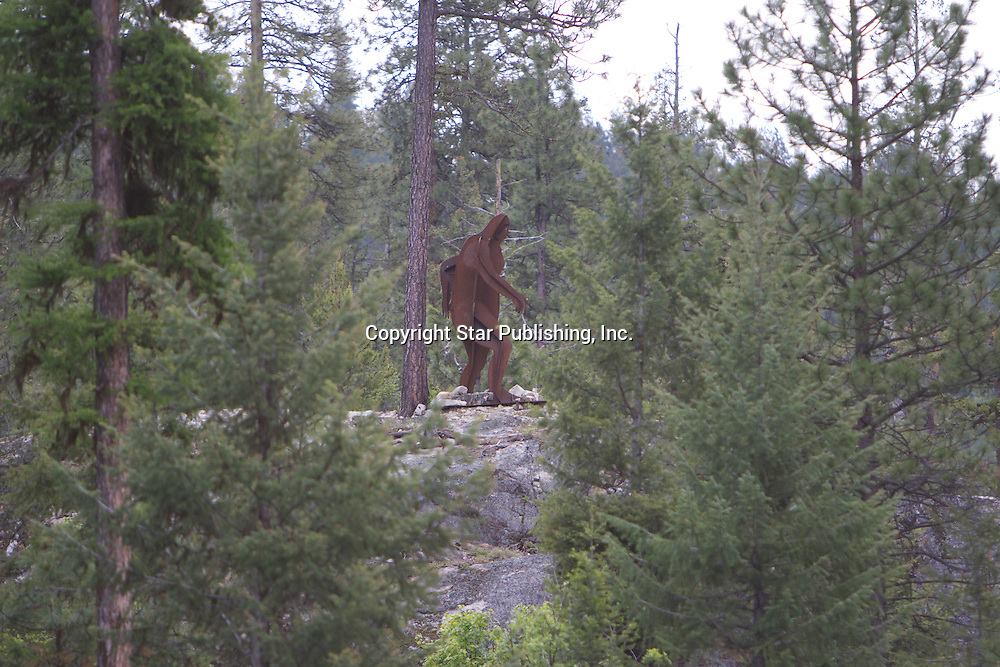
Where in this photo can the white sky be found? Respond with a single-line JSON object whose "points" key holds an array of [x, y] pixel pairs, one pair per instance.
{"points": [[639, 44]]}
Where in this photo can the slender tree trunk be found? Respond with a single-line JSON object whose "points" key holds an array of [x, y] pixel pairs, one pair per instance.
{"points": [[414, 380], [541, 225], [256, 33], [111, 306], [541, 210], [859, 250], [640, 333], [466, 77], [854, 149], [758, 607], [264, 415], [677, 80]]}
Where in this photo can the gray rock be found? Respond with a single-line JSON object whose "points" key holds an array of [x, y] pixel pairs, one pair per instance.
{"points": [[498, 571], [519, 392], [496, 586], [447, 403], [510, 511], [508, 446], [14, 451]]}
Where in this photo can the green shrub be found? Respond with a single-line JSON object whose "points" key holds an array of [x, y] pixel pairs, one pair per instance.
{"points": [[464, 640], [582, 625]]}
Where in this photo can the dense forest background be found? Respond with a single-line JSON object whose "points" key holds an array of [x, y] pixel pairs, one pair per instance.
{"points": [[793, 461]]}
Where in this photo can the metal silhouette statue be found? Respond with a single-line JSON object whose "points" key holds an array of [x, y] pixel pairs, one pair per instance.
{"points": [[471, 284]]}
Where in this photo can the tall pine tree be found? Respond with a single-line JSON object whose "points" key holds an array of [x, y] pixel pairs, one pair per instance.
{"points": [[635, 259], [129, 81], [885, 181], [270, 530], [764, 547]]}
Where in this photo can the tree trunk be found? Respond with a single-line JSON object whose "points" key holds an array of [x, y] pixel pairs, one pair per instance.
{"points": [[541, 225], [640, 332], [541, 210], [414, 380], [859, 249], [256, 33], [758, 607], [677, 81], [110, 306]]}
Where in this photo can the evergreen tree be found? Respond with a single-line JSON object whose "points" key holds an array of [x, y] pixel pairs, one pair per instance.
{"points": [[765, 547], [883, 180], [545, 166], [302, 47], [899, 202], [129, 81], [630, 269], [304, 51], [272, 531]]}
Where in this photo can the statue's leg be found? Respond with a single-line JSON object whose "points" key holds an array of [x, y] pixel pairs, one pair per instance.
{"points": [[498, 366], [479, 363], [501, 349], [470, 373]]}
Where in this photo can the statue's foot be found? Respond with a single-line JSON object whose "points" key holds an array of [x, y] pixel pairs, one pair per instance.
{"points": [[504, 397]]}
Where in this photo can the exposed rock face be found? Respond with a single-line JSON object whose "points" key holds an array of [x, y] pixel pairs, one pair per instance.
{"points": [[508, 441], [14, 451], [496, 585], [495, 568]]}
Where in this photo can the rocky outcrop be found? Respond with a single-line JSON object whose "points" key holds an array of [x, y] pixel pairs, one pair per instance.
{"points": [[14, 451], [507, 442], [480, 579], [495, 566]]}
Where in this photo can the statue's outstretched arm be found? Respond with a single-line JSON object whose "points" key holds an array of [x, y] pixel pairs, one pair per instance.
{"points": [[493, 278]]}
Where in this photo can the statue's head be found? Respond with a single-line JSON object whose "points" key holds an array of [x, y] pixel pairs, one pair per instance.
{"points": [[497, 229]]}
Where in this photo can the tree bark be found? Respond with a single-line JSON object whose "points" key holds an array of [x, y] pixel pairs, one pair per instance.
{"points": [[677, 80], [541, 210], [541, 225], [759, 606], [859, 249], [414, 379], [256, 33], [114, 601]]}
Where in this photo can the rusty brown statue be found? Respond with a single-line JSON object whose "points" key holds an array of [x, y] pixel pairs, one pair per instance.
{"points": [[471, 284]]}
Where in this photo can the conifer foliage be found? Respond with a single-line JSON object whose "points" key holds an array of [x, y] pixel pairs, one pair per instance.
{"points": [[886, 180], [274, 532], [765, 547], [629, 269], [129, 80], [778, 446]]}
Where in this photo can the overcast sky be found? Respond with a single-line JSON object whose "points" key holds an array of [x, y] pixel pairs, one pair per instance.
{"points": [[639, 45]]}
